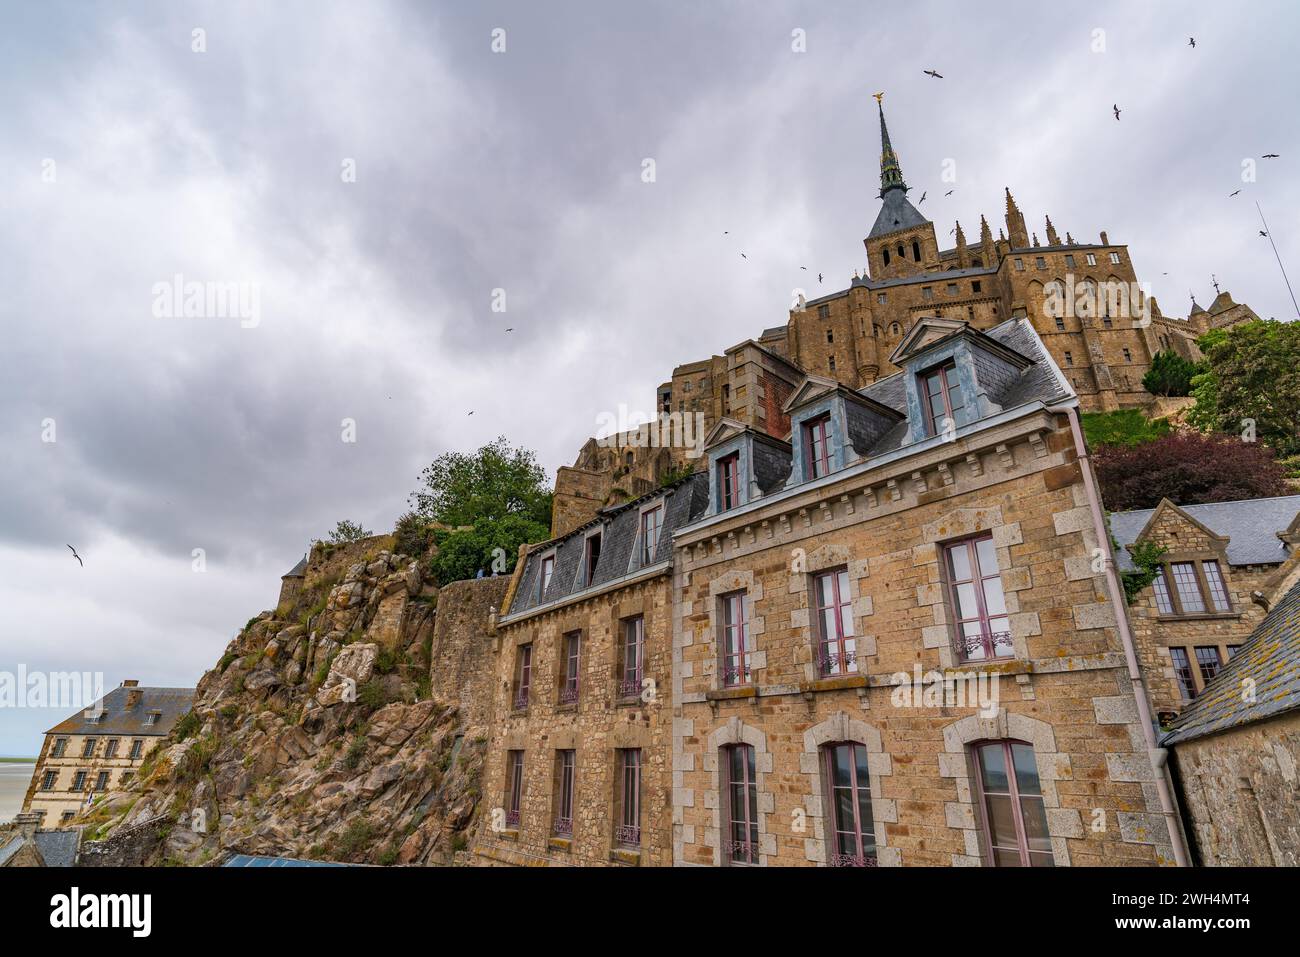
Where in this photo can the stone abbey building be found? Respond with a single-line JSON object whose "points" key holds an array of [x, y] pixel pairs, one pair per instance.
{"points": [[1083, 299]]}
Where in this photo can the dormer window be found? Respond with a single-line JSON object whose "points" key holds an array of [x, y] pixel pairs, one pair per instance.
{"points": [[544, 578], [943, 397], [652, 520], [729, 482], [590, 558], [816, 442]]}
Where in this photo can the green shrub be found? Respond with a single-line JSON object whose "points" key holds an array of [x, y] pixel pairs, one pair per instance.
{"points": [[1125, 427], [1170, 375], [371, 695], [356, 751], [188, 725], [355, 837]]}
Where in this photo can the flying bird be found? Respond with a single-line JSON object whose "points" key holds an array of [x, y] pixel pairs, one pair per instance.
{"points": [[743, 256], [77, 557], [1233, 193], [471, 412], [951, 231], [1191, 42], [922, 200], [1269, 156], [937, 76], [949, 193], [1115, 107], [804, 268], [819, 277], [511, 329], [1264, 234]]}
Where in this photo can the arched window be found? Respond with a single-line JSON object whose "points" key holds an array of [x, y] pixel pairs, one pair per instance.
{"points": [[884, 254], [741, 846], [628, 459], [875, 329], [916, 250], [851, 827], [894, 329], [1011, 805], [901, 253]]}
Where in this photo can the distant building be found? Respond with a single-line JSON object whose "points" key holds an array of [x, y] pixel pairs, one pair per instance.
{"points": [[99, 748], [291, 583], [26, 844], [1222, 561]]}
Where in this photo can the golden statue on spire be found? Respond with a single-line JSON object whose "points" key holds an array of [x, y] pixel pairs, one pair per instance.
{"points": [[879, 96]]}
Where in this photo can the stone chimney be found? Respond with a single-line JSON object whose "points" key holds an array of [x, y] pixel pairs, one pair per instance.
{"points": [[1105, 241], [27, 823], [133, 694]]}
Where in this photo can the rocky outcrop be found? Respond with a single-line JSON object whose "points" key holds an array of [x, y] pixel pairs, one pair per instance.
{"points": [[327, 730]]}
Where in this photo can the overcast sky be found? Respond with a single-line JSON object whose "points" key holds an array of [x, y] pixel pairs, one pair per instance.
{"points": [[128, 158]]}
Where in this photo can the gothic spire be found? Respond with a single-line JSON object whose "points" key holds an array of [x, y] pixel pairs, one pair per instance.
{"points": [[1052, 238], [891, 173]]}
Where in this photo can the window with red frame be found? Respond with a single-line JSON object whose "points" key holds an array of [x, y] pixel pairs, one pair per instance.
{"points": [[735, 641], [942, 397], [572, 668], [652, 520], [631, 657], [565, 763], [848, 788], [627, 811], [1015, 820], [742, 804], [523, 675], [729, 482], [983, 627], [837, 651], [1183, 672], [817, 447], [514, 787], [1207, 657]]}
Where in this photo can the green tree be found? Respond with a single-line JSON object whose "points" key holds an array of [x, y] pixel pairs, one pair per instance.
{"points": [[500, 492], [1251, 372], [1170, 374]]}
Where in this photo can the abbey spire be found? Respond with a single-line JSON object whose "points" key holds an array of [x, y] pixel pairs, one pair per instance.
{"points": [[1016, 223], [891, 173]]}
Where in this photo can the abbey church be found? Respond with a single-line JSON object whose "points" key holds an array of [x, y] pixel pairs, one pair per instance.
{"points": [[1084, 300]]}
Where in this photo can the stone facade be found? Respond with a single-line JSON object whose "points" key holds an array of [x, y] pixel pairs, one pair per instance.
{"points": [[1239, 789], [1065, 692], [1181, 648]]}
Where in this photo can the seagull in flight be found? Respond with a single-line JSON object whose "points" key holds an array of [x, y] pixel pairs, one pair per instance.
{"points": [[471, 412], [1116, 108], [1269, 156], [949, 193], [922, 200], [932, 73], [1264, 234], [1191, 42], [1233, 193], [743, 256], [819, 277], [77, 557], [511, 329]]}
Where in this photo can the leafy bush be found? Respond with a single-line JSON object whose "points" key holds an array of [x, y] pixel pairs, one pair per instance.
{"points": [[346, 531], [188, 725], [1170, 375], [355, 837], [1125, 427], [371, 695], [413, 535], [1146, 558], [356, 751], [1188, 470]]}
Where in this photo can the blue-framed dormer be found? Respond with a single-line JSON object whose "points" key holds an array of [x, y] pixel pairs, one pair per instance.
{"points": [[950, 371], [831, 428], [744, 464]]}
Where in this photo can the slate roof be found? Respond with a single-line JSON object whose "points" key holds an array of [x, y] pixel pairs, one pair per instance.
{"points": [[58, 848], [9, 850], [1250, 525], [255, 860], [619, 556], [1038, 382], [298, 571], [896, 213], [173, 703], [1271, 657]]}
